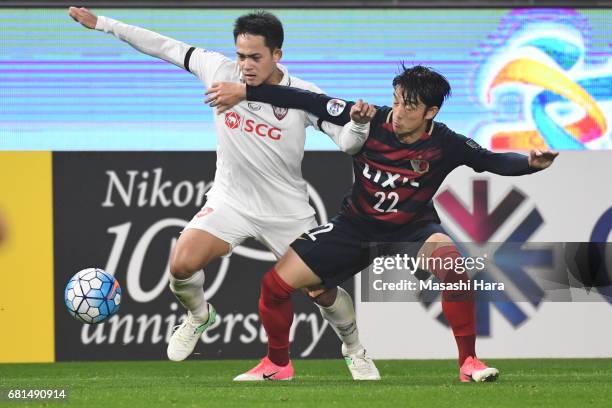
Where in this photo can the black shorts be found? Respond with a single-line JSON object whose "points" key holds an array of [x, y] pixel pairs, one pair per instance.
{"points": [[345, 246]]}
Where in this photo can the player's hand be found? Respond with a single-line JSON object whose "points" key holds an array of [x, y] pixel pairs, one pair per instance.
{"points": [[362, 112], [83, 16], [541, 159], [224, 95]]}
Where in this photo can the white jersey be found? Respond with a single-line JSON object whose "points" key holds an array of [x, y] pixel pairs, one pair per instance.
{"points": [[260, 147]]}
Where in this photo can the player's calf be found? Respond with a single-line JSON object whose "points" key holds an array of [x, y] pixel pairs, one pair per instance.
{"points": [[340, 313]]}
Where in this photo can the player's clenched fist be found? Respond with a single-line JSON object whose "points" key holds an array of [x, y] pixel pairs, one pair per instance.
{"points": [[362, 112], [83, 16]]}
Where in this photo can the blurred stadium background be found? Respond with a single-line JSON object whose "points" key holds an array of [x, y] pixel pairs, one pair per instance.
{"points": [[83, 115]]}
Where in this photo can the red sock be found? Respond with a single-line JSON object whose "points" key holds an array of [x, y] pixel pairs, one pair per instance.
{"points": [[457, 305], [466, 346], [276, 312]]}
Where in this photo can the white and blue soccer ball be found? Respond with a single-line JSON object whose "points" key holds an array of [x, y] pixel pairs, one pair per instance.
{"points": [[92, 296]]}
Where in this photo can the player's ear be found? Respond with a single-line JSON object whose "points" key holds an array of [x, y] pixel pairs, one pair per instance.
{"points": [[277, 54], [431, 112]]}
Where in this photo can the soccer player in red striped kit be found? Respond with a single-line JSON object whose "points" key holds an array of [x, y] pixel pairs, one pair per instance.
{"points": [[404, 158]]}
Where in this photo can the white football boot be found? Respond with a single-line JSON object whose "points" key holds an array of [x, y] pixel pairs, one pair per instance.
{"points": [[186, 336], [360, 365]]}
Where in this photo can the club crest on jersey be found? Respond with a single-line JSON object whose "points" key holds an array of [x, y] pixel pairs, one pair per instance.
{"points": [[232, 120], [280, 113], [420, 166], [254, 107], [335, 107]]}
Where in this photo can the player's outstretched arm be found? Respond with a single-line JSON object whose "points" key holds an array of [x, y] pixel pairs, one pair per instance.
{"points": [[356, 121], [224, 95], [326, 108], [145, 41], [480, 159]]}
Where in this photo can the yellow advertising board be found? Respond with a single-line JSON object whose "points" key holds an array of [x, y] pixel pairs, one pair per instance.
{"points": [[26, 258]]}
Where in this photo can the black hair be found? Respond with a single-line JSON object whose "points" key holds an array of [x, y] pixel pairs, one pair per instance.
{"points": [[422, 83], [261, 23]]}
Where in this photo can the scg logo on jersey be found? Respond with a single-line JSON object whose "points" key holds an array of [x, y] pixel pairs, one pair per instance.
{"points": [[233, 121]]}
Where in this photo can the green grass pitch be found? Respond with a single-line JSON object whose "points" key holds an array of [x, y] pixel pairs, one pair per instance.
{"points": [[318, 383]]}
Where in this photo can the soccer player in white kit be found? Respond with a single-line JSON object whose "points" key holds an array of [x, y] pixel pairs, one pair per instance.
{"points": [[258, 189]]}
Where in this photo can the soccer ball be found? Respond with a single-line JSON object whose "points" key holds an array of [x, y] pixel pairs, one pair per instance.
{"points": [[92, 296]]}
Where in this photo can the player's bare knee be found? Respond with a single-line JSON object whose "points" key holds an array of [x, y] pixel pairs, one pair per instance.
{"points": [[183, 265], [323, 297], [435, 241], [180, 270], [439, 238]]}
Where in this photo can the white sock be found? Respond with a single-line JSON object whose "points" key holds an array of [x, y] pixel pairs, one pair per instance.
{"points": [[341, 317], [190, 292]]}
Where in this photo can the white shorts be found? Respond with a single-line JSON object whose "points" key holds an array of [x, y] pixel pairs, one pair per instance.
{"points": [[233, 226]]}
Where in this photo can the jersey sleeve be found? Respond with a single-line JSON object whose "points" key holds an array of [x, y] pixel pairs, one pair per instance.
{"points": [[204, 64], [350, 138], [310, 119], [467, 152], [332, 110]]}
